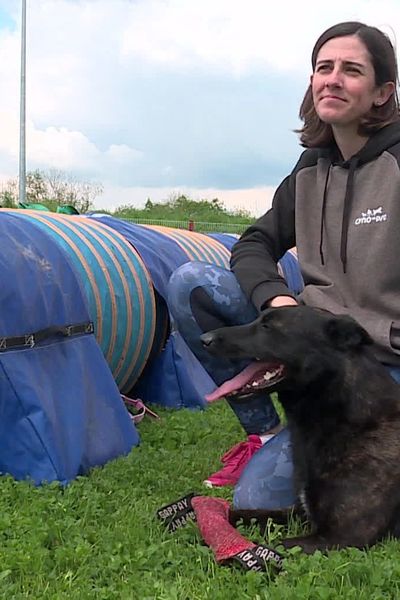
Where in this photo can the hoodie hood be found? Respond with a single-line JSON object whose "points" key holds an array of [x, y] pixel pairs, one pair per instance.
{"points": [[380, 141]]}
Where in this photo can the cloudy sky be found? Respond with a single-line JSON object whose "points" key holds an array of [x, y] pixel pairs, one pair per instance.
{"points": [[156, 97]]}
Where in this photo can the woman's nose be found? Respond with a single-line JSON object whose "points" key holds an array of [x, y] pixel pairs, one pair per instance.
{"points": [[334, 78]]}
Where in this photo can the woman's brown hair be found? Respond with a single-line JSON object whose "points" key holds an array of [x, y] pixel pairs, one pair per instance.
{"points": [[316, 133]]}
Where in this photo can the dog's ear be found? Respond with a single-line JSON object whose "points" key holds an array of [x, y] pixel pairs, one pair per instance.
{"points": [[345, 333]]}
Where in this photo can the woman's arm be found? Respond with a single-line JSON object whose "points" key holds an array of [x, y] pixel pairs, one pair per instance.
{"points": [[255, 256]]}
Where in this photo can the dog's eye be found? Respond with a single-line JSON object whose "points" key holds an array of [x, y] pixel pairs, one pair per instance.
{"points": [[265, 325]]}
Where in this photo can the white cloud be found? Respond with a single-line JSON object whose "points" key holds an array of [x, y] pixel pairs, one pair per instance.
{"points": [[239, 35], [122, 154], [101, 75], [62, 149]]}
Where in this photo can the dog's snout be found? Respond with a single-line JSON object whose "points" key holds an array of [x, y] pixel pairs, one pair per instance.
{"points": [[207, 338]]}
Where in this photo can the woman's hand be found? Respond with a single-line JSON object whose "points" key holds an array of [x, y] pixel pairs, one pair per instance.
{"points": [[282, 301]]}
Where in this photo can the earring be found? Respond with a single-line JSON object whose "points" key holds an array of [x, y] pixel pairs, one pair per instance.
{"points": [[378, 103]]}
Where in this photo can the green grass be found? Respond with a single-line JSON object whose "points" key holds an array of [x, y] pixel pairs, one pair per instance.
{"points": [[99, 537]]}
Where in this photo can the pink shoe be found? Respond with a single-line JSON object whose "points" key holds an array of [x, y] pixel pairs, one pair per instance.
{"points": [[234, 462]]}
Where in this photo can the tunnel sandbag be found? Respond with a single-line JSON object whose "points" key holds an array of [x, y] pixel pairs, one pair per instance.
{"points": [[117, 286], [61, 411]]}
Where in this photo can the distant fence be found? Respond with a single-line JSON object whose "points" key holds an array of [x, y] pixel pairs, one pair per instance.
{"points": [[199, 226]]}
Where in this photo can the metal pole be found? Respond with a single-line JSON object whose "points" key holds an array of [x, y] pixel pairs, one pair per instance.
{"points": [[22, 140]]}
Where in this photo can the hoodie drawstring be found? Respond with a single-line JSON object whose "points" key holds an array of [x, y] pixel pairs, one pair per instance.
{"points": [[348, 197], [346, 211], [321, 234]]}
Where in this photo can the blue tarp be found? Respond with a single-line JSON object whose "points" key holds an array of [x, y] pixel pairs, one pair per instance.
{"points": [[60, 409]]}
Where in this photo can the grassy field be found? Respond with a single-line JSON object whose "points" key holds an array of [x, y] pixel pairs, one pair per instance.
{"points": [[99, 538]]}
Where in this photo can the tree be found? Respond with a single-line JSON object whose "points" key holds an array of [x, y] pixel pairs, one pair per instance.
{"points": [[52, 188], [65, 189], [179, 207], [7, 199], [36, 189]]}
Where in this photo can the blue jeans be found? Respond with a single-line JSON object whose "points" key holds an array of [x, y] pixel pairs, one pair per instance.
{"points": [[203, 297]]}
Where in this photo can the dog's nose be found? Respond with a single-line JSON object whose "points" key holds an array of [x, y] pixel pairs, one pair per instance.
{"points": [[207, 339]]}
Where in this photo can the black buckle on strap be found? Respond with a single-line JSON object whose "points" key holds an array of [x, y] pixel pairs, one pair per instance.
{"points": [[30, 340]]}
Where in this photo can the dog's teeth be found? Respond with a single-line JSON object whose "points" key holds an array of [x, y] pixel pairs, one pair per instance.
{"points": [[269, 375]]}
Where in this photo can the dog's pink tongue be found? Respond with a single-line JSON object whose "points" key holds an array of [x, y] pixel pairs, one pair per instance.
{"points": [[238, 381]]}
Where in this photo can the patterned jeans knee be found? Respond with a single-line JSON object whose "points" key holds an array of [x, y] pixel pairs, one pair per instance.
{"points": [[267, 480], [229, 302], [229, 307]]}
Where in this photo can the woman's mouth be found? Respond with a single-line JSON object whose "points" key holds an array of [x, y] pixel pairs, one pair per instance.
{"points": [[332, 97]]}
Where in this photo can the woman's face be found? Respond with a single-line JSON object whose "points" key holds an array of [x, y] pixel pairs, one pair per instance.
{"points": [[343, 82]]}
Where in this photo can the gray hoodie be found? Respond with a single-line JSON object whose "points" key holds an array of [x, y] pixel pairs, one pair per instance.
{"points": [[344, 218]]}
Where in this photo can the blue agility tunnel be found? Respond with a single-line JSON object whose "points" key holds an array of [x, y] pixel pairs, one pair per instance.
{"points": [[60, 409], [84, 316], [116, 285]]}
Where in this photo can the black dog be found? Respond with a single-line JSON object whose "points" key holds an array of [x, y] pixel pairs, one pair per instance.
{"points": [[343, 413]]}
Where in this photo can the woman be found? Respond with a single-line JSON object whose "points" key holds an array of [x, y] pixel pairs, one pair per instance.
{"points": [[341, 207]]}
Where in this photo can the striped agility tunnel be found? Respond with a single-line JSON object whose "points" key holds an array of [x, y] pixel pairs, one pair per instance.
{"points": [[116, 284], [124, 269]]}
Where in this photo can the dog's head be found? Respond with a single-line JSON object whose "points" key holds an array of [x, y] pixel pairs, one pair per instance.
{"points": [[297, 344]]}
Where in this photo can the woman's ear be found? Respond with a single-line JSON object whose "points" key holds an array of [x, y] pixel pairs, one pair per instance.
{"points": [[384, 92]]}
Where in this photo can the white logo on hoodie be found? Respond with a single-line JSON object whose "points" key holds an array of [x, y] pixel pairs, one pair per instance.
{"points": [[373, 215]]}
